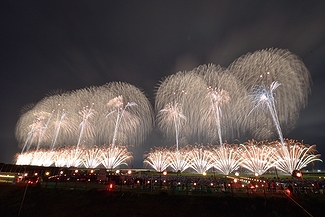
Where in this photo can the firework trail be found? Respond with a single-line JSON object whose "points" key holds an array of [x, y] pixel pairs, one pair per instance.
{"points": [[118, 103], [223, 99], [85, 125], [174, 115], [174, 98], [264, 97]]}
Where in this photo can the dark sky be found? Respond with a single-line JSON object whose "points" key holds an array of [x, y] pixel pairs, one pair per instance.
{"points": [[66, 45]]}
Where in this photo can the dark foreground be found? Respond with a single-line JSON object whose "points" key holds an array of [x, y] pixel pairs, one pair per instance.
{"points": [[58, 202]]}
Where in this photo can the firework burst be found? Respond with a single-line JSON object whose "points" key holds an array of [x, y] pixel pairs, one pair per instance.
{"points": [[264, 67], [91, 158], [221, 112], [226, 158], [257, 157], [114, 113], [180, 159], [158, 159], [201, 159], [294, 156], [114, 156]]}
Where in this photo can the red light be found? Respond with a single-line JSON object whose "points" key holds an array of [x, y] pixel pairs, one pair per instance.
{"points": [[110, 187], [288, 191]]}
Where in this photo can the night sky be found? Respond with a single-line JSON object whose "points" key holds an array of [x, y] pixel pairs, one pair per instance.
{"points": [[48, 46]]}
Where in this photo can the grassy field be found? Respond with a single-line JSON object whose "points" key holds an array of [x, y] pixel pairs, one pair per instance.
{"points": [[306, 175], [59, 202]]}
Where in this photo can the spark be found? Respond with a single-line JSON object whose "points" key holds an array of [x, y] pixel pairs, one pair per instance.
{"points": [[174, 114], [294, 156], [158, 159], [114, 156], [226, 158], [201, 159], [180, 159], [257, 157]]}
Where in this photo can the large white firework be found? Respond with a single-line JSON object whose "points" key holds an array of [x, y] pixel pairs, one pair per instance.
{"points": [[257, 157], [158, 159], [263, 67], [221, 113], [209, 97], [115, 113], [201, 159], [226, 158], [294, 155], [114, 156], [180, 159], [176, 98]]}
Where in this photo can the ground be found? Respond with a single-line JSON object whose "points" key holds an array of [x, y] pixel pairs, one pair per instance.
{"points": [[39, 201]]}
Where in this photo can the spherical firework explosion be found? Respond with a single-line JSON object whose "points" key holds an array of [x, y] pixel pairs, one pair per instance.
{"points": [[264, 67], [116, 113], [204, 105]]}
